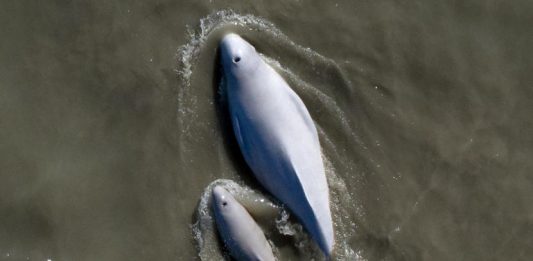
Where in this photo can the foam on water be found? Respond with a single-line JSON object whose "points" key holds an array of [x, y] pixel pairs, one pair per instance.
{"points": [[188, 53], [316, 93]]}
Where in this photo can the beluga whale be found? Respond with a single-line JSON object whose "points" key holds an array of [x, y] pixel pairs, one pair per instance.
{"points": [[277, 137], [242, 236]]}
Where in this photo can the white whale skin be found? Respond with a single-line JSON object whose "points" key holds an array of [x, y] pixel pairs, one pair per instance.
{"points": [[277, 137], [242, 236]]}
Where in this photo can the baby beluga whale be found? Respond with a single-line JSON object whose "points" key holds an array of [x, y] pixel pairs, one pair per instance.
{"points": [[277, 137], [241, 234]]}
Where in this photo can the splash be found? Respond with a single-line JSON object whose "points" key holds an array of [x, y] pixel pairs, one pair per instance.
{"points": [[187, 54], [311, 84]]}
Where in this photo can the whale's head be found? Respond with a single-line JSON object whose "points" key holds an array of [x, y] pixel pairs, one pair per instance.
{"points": [[223, 201], [239, 58]]}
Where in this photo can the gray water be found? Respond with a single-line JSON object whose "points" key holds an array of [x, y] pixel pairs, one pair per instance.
{"points": [[113, 122]]}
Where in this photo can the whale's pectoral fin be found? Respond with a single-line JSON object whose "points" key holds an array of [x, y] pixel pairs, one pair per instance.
{"points": [[243, 138], [237, 130]]}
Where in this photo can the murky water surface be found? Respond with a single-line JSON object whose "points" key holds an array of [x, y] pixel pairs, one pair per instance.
{"points": [[113, 125]]}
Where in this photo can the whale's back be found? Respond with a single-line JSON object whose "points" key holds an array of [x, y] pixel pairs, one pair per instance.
{"points": [[279, 142]]}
